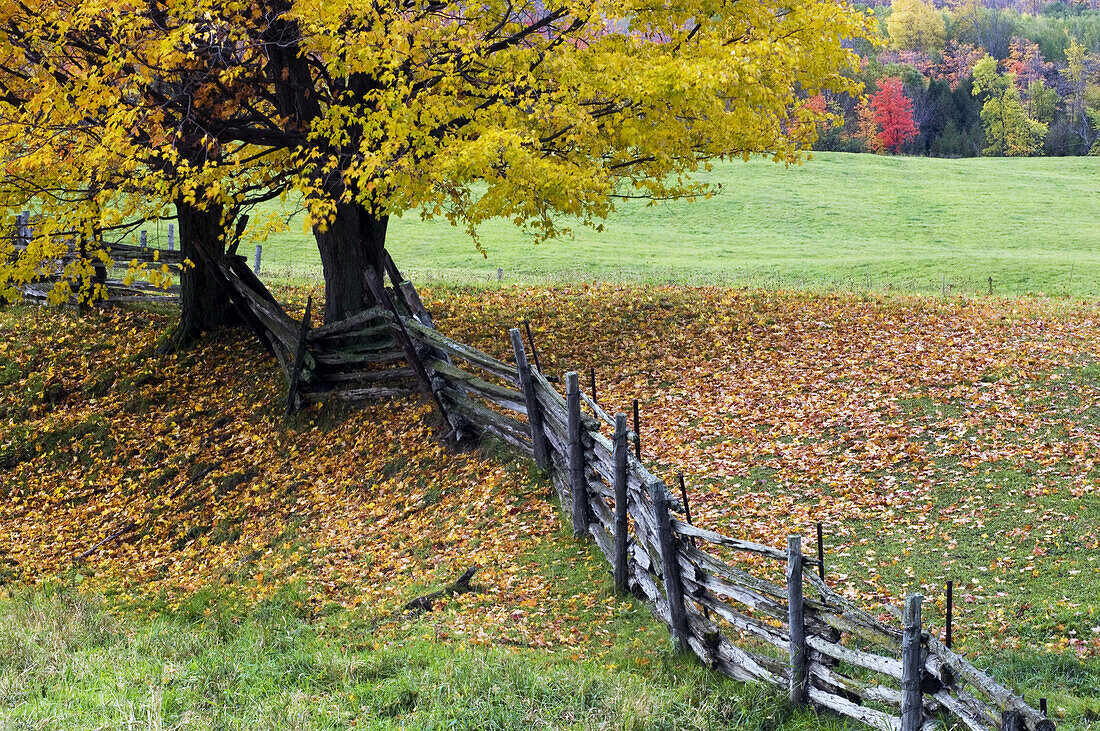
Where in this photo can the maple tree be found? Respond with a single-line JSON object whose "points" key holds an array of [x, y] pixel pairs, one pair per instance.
{"points": [[1026, 61], [1008, 129], [957, 62], [1077, 74], [889, 116], [1042, 102], [522, 111], [915, 25], [868, 127]]}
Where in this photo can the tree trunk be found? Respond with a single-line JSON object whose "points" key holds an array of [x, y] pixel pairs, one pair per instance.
{"points": [[350, 246], [354, 242], [204, 304]]}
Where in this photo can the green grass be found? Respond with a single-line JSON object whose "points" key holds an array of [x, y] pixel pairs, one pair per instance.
{"points": [[68, 663], [1039, 581], [841, 220]]}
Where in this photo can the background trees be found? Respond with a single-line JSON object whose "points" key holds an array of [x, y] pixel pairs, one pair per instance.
{"points": [[886, 117], [893, 114], [1008, 129], [915, 26], [1051, 50]]}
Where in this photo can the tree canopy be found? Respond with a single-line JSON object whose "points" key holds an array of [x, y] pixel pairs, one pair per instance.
{"points": [[1009, 131], [916, 26], [533, 112]]}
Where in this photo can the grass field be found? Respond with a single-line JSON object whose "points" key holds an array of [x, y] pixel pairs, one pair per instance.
{"points": [[67, 662], [839, 221]]}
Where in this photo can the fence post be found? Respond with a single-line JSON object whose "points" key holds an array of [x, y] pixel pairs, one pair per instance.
{"points": [[796, 623], [637, 433], [912, 661], [670, 564], [820, 552], [293, 398], [534, 411], [419, 311], [950, 618], [171, 237], [534, 350], [576, 455], [144, 239], [621, 430], [259, 251]]}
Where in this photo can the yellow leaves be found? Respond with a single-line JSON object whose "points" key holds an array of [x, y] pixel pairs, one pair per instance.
{"points": [[567, 121], [553, 124]]}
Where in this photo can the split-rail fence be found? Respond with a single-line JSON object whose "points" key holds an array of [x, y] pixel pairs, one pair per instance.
{"points": [[795, 632], [716, 594]]}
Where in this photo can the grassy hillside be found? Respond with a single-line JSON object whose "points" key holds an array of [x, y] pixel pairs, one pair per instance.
{"points": [[217, 564], [840, 220]]}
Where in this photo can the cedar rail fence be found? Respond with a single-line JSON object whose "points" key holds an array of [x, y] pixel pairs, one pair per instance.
{"points": [[55, 269], [799, 634]]}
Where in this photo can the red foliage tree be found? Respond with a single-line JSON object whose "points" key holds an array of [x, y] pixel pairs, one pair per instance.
{"points": [[893, 114]]}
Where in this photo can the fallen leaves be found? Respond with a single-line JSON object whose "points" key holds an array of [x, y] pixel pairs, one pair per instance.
{"points": [[192, 479], [935, 439], [919, 431]]}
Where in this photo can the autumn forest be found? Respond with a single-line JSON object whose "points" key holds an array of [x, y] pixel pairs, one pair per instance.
{"points": [[971, 78]]}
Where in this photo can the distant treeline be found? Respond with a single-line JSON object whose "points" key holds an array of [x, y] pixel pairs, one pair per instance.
{"points": [[1002, 78]]}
